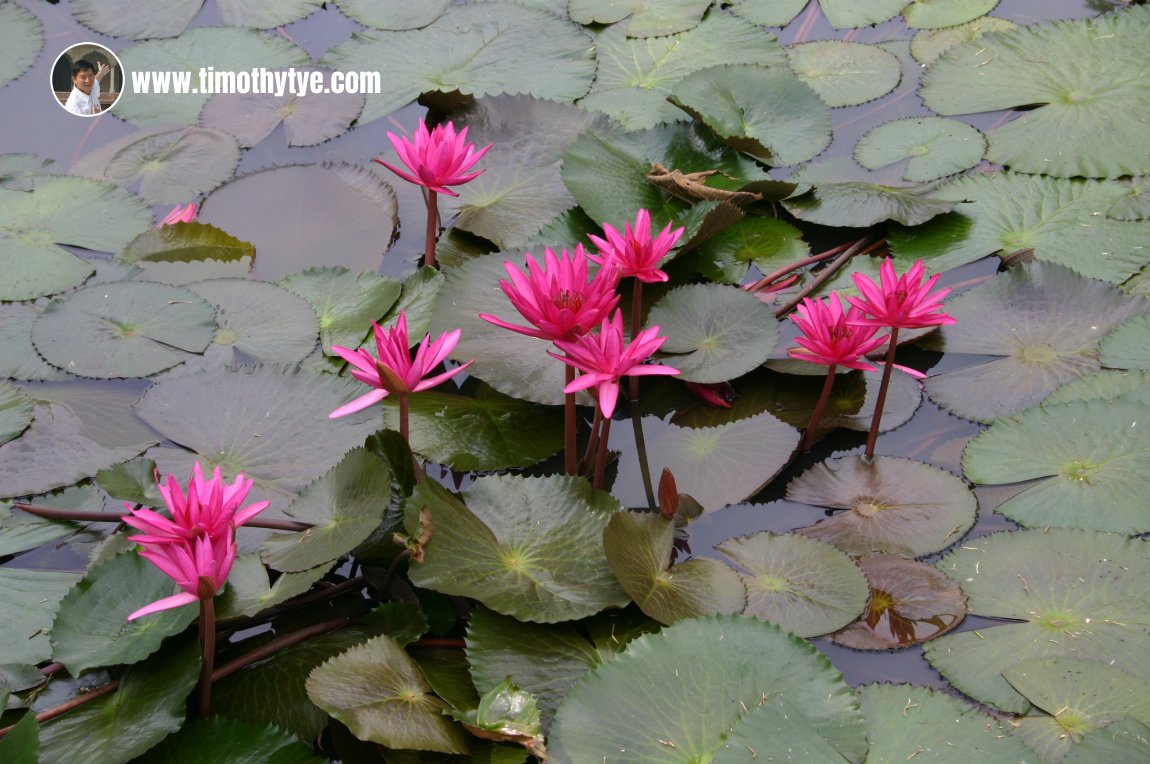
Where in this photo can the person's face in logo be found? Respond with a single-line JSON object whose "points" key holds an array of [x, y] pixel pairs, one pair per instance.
{"points": [[83, 80]]}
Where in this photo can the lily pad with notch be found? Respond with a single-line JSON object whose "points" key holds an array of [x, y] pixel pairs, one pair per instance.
{"points": [[262, 321], [845, 73], [640, 18], [347, 303], [1135, 205], [928, 45], [924, 14], [15, 411], [935, 147]]}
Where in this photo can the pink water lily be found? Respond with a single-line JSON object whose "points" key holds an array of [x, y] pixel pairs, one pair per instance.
{"points": [[210, 508], [605, 357], [436, 159], [179, 214], [395, 371], [831, 337], [200, 567], [900, 302], [635, 252], [558, 299]]}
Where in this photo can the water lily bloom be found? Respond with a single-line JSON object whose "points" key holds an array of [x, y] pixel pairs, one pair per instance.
{"points": [[900, 302], [831, 337], [210, 508], [635, 252], [179, 214], [199, 566], [436, 159], [558, 299], [605, 357], [395, 371]]}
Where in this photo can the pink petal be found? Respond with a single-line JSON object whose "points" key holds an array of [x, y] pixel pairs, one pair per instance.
{"points": [[360, 403], [176, 600]]}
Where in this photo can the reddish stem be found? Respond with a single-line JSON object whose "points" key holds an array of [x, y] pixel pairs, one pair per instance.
{"points": [[271, 648], [208, 648], [601, 459], [872, 436], [52, 513], [570, 424], [432, 229], [774, 276], [826, 273], [817, 414]]}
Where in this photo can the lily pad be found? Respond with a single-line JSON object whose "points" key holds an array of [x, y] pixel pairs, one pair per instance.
{"points": [[910, 602], [1071, 593], [714, 332], [15, 412], [181, 253], [481, 49], [18, 172], [308, 120], [893, 505], [1135, 205], [344, 507], [168, 18], [924, 14], [729, 671], [165, 165], [906, 721], [21, 531], [265, 14], [807, 587], [845, 73], [232, 741], [1108, 384], [928, 45], [28, 603], [259, 320], [1125, 347], [858, 204], [228, 49], [766, 112], [22, 743], [1091, 88], [635, 76], [249, 591], [935, 147], [378, 691], [640, 18], [61, 210], [767, 13], [531, 548], [766, 243], [1043, 323], [639, 549], [129, 329], [851, 405], [394, 15], [346, 302], [277, 211], [1091, 471], [21, 41]]}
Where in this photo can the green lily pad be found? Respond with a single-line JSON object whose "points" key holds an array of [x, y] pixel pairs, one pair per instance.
{"points": [[531, 548], [640, 18], [1135, 205], [21, 41], [18, 358], [1108, 384], [61, 210], [766, 112], [767, 13], [1125, 347], [28, 603], [18, 172], [249, 590], [15, 412], [265, 14], [728, 671], [168, 18], [851, 405], [482, 49], [844, 14], [92, 627], [268, 423], [233, 741], [924, 14], [129, 329], [807, 587], [352, 227], [906, 721], [344, 507], [345, 302], [858, 204], [714, 332], [1091, 469], [845, 73], [394, 15], [148, 706], [635, 76], [928, 45], [22, 743], [639, 549], [766, 243], [21, 531], [1090, 89], [227, 49], [263, 321], [1042, 323], [483, 431], [377, 690], [418, 301], [165, 165], [1071, 594], [935, 147], [307, 120], [185, 252], [894, 506]]}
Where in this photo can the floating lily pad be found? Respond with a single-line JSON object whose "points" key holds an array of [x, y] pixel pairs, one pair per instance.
{"points": [[807, 587], [845, 14], [936, 147], [482, 49], [129, 329], [845, 73], [394, 14], [233, 741], [1127, 346], [28, 603], [1092, 469], [851, 405], [640, 18], [1045, 323], [894, 506], [168, 18], [262, 321], [728, 671], [910, 602], [767, 13], [21, 531], [766, 243], [22, 743], [858, 204], [265, 14], [531, 548], [639, 549], [635, 76], [714, 332], [1108, 384], [308, 119], [924, 14], [927, 46], [905, 721], [766, 112], [279, 211], [379, 692], [61, 210], [18, 172], [346, 303], [1135, 205], [15, 412], [249, 590], [1090, 89], [181, 253], [1072, 593], [20, 41]]}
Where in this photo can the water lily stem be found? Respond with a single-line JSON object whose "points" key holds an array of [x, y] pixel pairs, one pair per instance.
{"points": [[774, 276], [585, 466], [816, 415], [601, 458], [208, 647], [641, 451], [570, 424], [859, 247], [636, 325], [872, 436], [432, 229], [82, 516]]}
